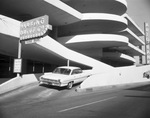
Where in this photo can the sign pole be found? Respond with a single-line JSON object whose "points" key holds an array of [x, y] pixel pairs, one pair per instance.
{"points": [[19, 49], [30, 32], [68, 62], [19, 53]]}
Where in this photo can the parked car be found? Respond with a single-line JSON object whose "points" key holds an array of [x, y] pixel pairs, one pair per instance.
{"points": [[64, 76], [146, 74]]}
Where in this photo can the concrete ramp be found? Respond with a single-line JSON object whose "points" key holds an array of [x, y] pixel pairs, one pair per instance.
{"points": [[53, 46], [119, 76]]}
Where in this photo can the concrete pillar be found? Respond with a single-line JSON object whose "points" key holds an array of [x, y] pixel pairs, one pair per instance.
{"points": [[55, 32]]}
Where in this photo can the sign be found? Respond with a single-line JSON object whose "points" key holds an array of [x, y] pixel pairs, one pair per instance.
{"points": [[146, 33], [17, 65], [32, 41], [34, 28], [147, 43]]}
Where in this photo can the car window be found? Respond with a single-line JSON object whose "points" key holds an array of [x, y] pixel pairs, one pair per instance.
{"points": [[64, 71], [76, 71], [79, 71]]}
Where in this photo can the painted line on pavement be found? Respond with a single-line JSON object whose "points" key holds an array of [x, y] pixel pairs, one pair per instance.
{"points": [[64, 110]]}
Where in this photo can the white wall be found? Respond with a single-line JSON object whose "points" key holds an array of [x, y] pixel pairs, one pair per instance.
{"points": [[9, 26], [122, 75], [17, 82]]}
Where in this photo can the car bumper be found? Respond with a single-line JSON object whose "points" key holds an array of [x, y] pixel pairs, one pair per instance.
{"points": [[51, 83]]}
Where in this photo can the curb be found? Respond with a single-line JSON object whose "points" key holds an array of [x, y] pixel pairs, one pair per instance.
{"points": [[91, 89]]}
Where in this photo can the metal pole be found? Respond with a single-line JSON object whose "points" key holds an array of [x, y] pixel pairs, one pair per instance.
{"points": [[43, 69], [68, 62], [19, 49], [33, 69], [19, 53]]}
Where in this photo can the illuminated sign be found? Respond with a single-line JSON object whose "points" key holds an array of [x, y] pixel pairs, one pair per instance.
{"points": [[34, 28]]}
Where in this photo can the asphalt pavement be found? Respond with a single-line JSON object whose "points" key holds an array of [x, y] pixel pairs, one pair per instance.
{"points": [[35, 101]]}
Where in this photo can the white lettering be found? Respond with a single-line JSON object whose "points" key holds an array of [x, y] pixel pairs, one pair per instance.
{"points": [[33, 28], [42, 20]]}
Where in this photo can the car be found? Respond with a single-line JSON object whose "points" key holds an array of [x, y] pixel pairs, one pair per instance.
{"points": [[146, 74], [64, 76]]}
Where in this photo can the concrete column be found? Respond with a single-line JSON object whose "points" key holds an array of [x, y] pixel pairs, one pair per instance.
{"points": [[55, 32]]}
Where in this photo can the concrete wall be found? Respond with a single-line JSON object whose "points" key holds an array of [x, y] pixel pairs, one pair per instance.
{"points": [[119, 76], [17, 82]]}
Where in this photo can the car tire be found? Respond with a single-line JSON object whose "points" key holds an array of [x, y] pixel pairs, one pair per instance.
{"points": [[70, 84], [148, 76]]}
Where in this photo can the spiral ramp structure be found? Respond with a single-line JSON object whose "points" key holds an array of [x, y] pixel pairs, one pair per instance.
{"points": [[105, 32], [99, 30], [92, 33]]}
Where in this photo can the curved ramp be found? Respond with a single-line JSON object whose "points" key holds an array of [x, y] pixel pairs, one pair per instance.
{"points": [[53, 46]]}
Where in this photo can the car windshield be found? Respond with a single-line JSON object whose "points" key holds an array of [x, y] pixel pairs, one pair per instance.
{"points": [[64, 71]]}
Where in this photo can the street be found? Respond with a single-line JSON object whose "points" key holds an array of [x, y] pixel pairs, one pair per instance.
{"points": [[35, 101]]}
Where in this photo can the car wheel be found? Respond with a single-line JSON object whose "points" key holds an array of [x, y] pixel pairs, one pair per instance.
{"points": [[148, 76], [70, 84]]}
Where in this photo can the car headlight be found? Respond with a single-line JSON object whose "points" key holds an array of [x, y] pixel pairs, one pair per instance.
{"points": [[41, 78]]}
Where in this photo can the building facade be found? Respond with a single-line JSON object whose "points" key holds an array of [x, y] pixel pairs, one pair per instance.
{"points": [[99, 29]]}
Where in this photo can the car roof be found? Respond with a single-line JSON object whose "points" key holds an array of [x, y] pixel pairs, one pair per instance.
{"points": [[69, 67]]}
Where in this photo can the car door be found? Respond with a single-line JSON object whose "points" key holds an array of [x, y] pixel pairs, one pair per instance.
{"points": [[77, 75], [82, 76]]}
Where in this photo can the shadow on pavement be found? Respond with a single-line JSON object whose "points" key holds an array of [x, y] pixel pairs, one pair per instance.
{"points": [[141, 88], [134, 96], [59, 88], [53, 87]]}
